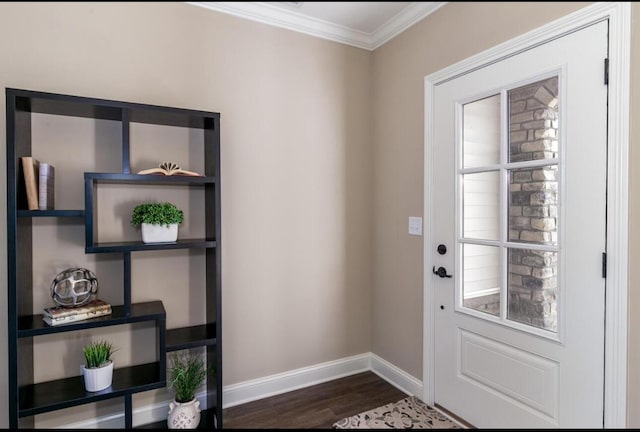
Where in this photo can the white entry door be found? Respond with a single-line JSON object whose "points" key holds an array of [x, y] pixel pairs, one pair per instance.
{"points": [[518, 192]]}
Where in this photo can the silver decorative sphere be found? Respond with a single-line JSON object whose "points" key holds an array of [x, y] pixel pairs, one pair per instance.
{"points": [[74, 287]]}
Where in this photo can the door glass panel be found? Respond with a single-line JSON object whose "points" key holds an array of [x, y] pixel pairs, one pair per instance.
{"points": [[516, 221], [533, 121], [481, 278], [481, 205], [481, 135], [533, 205], [532, 288]]}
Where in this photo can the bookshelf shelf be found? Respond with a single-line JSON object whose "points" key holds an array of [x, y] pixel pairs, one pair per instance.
{"points": [[33, 325], [111, 247], [146, 179], [64, 393], [51, 213], [191, 337]]}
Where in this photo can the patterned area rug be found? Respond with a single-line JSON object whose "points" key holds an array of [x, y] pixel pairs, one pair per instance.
{"points": [[408, 413]]}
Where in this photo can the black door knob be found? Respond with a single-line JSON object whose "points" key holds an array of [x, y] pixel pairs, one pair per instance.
{"points": [[442, 272], [442, 249]]}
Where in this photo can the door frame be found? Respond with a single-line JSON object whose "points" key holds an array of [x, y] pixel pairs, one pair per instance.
{"points": [[619, 16]]}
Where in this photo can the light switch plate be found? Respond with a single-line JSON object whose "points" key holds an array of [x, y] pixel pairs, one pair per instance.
{"points": [[415, 225]]}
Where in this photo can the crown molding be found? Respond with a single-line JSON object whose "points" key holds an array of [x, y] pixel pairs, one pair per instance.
{"points": [[295, 21], [409, 16]]}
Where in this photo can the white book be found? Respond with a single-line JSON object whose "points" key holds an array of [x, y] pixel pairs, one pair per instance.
{"points": [[46, 186]]}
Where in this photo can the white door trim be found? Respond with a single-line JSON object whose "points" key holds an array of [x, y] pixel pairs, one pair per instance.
{"points": [[619, 16]]}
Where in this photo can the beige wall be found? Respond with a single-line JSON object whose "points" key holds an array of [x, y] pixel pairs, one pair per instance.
{"points": [[296, 166], [451, 34], [310, 273]]}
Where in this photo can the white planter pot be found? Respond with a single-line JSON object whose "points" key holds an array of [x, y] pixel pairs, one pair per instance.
{"points": [[184, 415], [159, 233], [96, 379]]}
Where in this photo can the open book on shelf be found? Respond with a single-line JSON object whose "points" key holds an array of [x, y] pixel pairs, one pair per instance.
{"points": [[169, 169]]}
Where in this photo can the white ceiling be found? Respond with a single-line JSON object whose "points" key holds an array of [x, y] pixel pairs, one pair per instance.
{"points": [[365, 25], [365, 17]]}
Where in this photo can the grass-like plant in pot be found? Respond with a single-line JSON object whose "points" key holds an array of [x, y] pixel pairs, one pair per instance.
{"points": [[98, 369], [186, 374], [158, 220]]}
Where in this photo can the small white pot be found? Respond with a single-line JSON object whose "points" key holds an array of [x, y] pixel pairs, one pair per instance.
{"points": [[159, 233], [96, 379], [184, 415]]}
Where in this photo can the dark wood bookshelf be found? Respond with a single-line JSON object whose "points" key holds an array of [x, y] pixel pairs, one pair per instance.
{"points": [[28, 398]]}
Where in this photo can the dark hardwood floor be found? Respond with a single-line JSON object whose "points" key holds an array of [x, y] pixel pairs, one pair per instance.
{"points": [[315, 407]]}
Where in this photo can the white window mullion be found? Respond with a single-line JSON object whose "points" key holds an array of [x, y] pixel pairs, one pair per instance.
{"points": [[504, 200]]}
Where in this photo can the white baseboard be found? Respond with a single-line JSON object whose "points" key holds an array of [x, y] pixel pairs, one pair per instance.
{"points": [[248, 391], [252, 390], [396, 376]]}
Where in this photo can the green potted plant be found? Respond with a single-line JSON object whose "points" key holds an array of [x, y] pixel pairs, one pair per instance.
{"points": [[98, 370], [158, 221], [186, 374]]}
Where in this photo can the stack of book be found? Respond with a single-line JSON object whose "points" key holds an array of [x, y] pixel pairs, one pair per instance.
{"points": [[65, 314]]}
